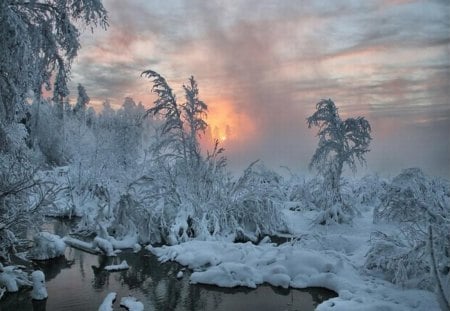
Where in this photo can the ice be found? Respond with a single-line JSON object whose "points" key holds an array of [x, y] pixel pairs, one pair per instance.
{"points": [[131, 304], [47, 246], [39, 291], [107, 304]]}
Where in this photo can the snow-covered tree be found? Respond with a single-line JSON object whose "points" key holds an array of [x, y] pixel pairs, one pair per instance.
{"points": [[166, 106], [82, 101], [39, 38], [340, 142], [194, 114]]}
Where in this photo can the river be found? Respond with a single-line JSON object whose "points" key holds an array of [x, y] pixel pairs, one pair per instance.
{"points": [[78, 282]]}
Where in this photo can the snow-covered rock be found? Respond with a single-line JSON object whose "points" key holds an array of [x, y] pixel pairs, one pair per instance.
{"points": [[131, 304], [39, 291], [122, 266], [47, 246], [107, 304]]}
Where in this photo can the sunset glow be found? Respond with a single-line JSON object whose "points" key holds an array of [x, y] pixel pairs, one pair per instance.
{"points": [[225, 124]]}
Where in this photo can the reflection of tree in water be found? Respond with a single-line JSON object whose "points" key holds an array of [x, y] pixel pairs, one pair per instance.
{"points": [[101, 277], [159, 287], [53, 267], [320, 294], [158, 282], [39, 305]]}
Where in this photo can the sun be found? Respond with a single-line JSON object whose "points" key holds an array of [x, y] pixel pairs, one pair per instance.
{"points": [[225, 124]]}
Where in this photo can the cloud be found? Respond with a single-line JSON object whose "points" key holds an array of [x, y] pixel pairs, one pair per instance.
{"points": [[262, 65]]}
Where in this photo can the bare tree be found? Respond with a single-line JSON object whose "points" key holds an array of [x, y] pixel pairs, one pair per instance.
{"points": [[340, 142]]}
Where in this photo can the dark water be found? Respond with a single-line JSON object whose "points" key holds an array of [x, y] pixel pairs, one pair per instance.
{"points": [[78, 282]]}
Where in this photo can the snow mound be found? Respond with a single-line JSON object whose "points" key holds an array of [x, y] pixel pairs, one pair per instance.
{"points": [[39, 291], [131, 304], [47, 246], [290, 265]]}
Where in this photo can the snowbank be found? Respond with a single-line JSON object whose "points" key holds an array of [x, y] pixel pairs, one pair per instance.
{"points": [[290, 265], [47, 246]]}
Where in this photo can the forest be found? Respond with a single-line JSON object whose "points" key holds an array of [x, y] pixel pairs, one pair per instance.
{"points": [[137, 178]]}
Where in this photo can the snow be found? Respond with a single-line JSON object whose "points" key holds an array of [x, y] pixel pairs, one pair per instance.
{"points": [[122, 266], [321, 256], [47, 246], [108, 302], [180, 274], [131, 304], [39, 291]]}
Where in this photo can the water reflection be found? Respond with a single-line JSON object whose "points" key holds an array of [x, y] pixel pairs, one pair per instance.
{"points": [[79, 282]]}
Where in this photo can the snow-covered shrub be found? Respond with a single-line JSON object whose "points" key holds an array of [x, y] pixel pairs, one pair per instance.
{"points": [[368, 191], [419, 205], [256, 201], [47, 246], [188, 195], [401, 262], [413, 197], [301, 193], [22, 196]]}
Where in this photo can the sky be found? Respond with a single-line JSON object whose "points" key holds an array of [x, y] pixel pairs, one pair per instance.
{"points": [[262, 65]]}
